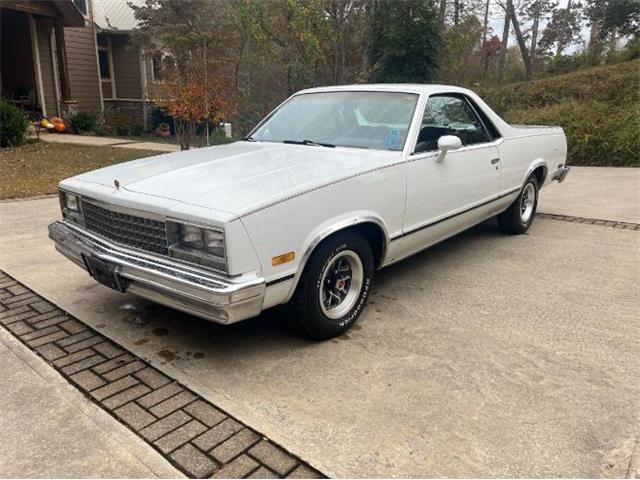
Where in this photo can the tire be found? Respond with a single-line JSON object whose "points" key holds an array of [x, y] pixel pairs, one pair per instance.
{"points": [[520, 215], [320, 307]]}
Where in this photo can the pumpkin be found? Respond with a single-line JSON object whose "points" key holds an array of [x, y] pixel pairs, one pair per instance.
{"points": [[58, 124]]}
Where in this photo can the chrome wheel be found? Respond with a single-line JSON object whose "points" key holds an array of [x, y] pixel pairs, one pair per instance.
{"points": [[341, 284], [527, 203]]}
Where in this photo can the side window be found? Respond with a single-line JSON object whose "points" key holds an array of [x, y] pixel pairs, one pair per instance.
{"points": [[449, 115]]}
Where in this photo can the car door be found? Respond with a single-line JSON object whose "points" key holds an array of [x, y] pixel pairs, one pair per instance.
{"points": [[440, 188]]}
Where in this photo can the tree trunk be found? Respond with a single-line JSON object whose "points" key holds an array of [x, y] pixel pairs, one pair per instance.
{"points": [[594, 42], [441, 13], [561, 42], [523, 47], [505, 40], [534, 35], [456, 12], [485, 28]]}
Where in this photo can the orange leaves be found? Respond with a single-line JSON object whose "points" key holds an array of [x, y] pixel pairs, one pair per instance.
{"points": [[189, 98]]}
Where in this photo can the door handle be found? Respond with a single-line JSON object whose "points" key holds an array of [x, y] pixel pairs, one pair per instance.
{"points": [[494, 161]]}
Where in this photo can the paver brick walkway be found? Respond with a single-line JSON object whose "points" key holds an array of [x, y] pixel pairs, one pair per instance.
{"points": [[197, 437]]}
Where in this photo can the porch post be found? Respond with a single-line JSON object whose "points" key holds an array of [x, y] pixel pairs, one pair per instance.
{"points": [[67, 105]]}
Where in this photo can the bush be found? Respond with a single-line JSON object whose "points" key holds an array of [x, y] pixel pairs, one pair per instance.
{"points": [[124, 124], [598, 108], [13, 125], [612, 84], [597, 133], [83, 122]]}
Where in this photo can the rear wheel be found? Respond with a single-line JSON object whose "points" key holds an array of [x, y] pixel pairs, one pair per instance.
{"points": [[334, 287], [519, 216]]}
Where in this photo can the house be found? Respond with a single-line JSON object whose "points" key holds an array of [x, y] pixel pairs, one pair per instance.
{"points": [[58, 57]]}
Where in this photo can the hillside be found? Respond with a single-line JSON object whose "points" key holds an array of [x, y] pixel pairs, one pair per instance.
{"points": [[599, 109]]}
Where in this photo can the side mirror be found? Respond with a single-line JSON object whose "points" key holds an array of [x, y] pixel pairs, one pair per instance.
{"points": [[447, 143]]}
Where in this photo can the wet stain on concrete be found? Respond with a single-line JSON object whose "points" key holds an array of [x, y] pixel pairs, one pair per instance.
{"points": [[100, 325], [198, 355], [167, 355], [142, 341], [160, 332]]}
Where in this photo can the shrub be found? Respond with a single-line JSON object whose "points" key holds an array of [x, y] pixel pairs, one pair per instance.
{"points": [[83, 122], [597, 133], [13, 125], [613, 84], [124, 124], [598, 108]]}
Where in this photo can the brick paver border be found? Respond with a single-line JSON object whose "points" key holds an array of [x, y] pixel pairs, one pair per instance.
{"points": [[198, 438], [590, 221]]}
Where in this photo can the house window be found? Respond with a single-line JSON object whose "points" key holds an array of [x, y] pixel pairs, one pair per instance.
{"points": [[105, 71], [156, 68], [81, 5]]}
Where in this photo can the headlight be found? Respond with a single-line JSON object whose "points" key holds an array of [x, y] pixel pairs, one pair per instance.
{"points": [[71, 208], [71, 201], [214, 242], [200, 245], [191, 236]]}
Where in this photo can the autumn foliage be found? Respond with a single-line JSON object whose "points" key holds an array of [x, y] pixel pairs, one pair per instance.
{"points": [[193, 100]]}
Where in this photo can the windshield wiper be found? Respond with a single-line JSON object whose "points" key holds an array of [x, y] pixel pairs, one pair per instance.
{"points": [[309, 142]]}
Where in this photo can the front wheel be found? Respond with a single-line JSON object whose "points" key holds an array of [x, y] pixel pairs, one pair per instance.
{"points": [[334, 287], [519, 216]]}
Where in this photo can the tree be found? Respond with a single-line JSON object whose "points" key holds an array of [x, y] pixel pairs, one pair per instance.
{"points": [[609, 18], [346, 25], [505, 39], [622, 16], [191, 34], [533, 11], [191, 101], [403, 40], [462, 43], [563, 30]]}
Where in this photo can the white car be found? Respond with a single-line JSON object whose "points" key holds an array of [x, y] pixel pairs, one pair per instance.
{"points": [[334, 184]]}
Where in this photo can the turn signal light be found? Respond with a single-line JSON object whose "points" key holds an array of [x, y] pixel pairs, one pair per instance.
{"points": [[284, 258]]}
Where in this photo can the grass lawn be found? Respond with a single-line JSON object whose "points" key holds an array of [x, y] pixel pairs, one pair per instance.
{"points": [[36, 168]]}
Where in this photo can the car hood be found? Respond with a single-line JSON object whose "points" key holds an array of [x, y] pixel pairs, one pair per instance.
{"points": [[238, 177]]}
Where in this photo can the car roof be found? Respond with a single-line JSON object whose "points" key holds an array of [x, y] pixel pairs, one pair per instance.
{"points": [[418, 88]]}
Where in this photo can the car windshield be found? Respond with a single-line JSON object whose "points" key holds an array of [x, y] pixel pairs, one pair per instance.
{"points": [[376, 120]]}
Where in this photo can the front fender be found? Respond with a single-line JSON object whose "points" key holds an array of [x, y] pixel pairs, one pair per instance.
{"points": [[328, 228]]}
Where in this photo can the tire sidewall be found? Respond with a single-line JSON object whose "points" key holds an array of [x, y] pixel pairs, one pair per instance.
{"points": [[319, 322]]}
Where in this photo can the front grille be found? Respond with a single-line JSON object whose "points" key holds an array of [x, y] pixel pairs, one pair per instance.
{"points": [[137, 232]]}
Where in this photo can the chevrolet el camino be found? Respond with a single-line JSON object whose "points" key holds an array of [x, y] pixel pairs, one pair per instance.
{"points": [[334, 184]]}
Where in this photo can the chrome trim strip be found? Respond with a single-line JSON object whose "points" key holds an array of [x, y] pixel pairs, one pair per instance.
{"points": [[121, 209], [449, 217]]}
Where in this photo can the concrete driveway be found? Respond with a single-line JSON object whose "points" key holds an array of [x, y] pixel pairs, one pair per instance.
{"points": [[485, 356]]}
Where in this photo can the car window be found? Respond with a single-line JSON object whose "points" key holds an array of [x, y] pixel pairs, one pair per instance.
{"points": [[376, 120], [449, 115]]}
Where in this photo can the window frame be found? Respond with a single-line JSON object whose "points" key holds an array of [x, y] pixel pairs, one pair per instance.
{"points": [[482, 119]]}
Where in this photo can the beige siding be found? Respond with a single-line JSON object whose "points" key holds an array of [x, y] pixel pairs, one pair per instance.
{"points": [[126, 66], [83, 68], [46, 67]]}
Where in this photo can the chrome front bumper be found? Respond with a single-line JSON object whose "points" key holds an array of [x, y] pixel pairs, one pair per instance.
{"points": [[192, 290]]}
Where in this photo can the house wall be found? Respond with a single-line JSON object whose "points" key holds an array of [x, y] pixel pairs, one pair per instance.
{"points": [[83, 68], [46, 67], [126, 66]]}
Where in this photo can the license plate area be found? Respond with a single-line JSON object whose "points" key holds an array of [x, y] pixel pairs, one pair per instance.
{"points": [[105, 273]]}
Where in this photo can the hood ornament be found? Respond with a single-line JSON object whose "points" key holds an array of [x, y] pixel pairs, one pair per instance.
{"points": [[117, 184]]}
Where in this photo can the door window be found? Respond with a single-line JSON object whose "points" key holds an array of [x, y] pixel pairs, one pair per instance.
{"points": [[449, 115]]}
